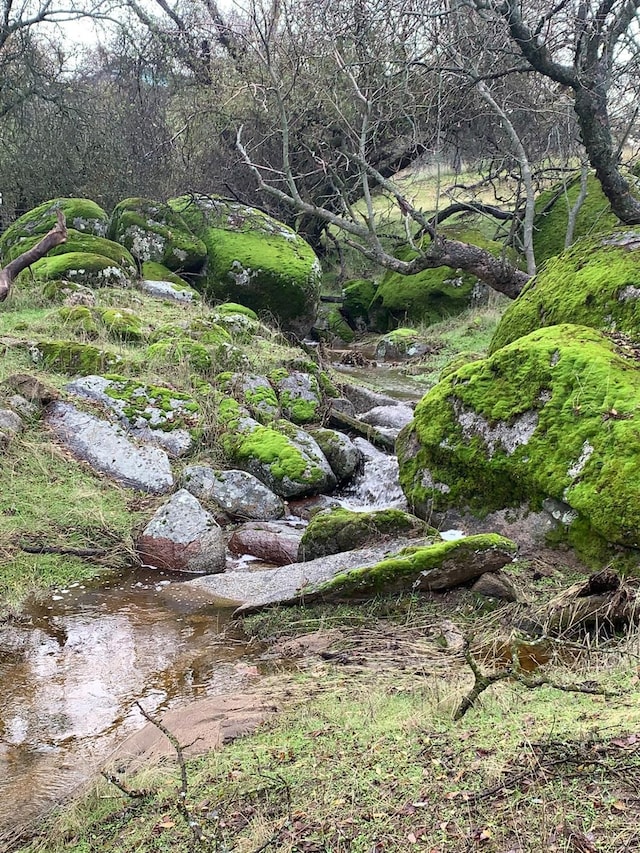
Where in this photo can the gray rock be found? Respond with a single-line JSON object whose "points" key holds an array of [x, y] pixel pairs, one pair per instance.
{"points": [[299, 396], [183, 537], [342, 454], [238, 493], [169, 290], [341, 404], [255, 392], [10, 423], [496, 585], [138, 413], [23, 407], [107, 449], [253, 590], [391, 417]]}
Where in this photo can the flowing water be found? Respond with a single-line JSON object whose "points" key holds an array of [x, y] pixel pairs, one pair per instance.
{"points": [[73, 666]]}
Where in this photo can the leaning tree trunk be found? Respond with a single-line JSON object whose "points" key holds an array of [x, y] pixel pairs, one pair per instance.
{"points": [[55, 237]]}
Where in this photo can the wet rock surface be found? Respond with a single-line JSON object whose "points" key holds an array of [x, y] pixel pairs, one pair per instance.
{"points": [[107, 449], [272, 541], [344, 457], [182, 537], [238, 493]]}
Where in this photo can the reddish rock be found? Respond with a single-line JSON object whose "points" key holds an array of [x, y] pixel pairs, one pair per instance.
{"points": [[274, 542]]}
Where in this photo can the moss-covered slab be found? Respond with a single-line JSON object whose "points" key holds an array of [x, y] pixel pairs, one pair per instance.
{"points": [[153, 231], [123, 324], [254, 392], [594, 283], [340, 529], [255, 260], [286, 459], [552, 216], [80, 319], [74, 357], [555, 415], [81, 215], [83, 268], [398, 565], [430, 295]]}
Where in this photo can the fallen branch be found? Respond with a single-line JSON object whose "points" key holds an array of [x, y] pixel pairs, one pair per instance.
{"points": [[193, 824], [340, 419], [603, 601], [53, 238], [482, 681], [113, 780]]}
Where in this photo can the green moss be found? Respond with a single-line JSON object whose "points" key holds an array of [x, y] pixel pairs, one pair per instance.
{"points": [[236, 308], [552, 209], [339, 327], [80, 268], [81, 215], [181, 350], [358, 296], [180, 410], [574, 400], [413, 563], [251, 254], [594, 283], [153, 231], [152, 271], [122, 323], [209, 332], [432, 294], [459, 361], [80, 318], [341, 529], [75, 358]]}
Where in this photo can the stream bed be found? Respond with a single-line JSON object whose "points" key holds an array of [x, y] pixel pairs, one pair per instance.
{"points": [[73, 666]]}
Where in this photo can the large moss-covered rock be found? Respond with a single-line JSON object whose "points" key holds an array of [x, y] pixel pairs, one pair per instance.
{"points": [[81, 215], [80, 268], [74, 358], [339, 529], [432, 294], [553, 415], [255, 260], [552, 216], [595, 283], [78, 241], [286, 459], [357, 298], [153, 231]]}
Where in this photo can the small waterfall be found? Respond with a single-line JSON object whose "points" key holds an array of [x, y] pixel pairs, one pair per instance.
{"points": [[377, 486]]}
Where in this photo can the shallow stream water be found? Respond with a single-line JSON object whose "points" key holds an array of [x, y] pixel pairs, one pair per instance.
{"points": [[73, 666]]}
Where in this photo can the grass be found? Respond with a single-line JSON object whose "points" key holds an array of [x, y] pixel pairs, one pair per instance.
{"points": [[365, 757]]}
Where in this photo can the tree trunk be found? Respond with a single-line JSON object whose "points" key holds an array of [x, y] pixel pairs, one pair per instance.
{"points": [[55, 237]]}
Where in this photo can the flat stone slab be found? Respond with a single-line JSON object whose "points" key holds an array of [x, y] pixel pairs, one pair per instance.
{"points": [[106, 448], [169, 290], [403, 564]]}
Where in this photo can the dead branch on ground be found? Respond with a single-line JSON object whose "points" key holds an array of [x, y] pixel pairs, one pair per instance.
{"points": [[53, 238]]}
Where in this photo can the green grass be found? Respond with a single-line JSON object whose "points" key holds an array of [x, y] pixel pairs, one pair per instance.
{"points": [[365, 757]]}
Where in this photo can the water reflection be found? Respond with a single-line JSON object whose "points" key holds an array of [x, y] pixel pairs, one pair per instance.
{"points": [[70, 673]]}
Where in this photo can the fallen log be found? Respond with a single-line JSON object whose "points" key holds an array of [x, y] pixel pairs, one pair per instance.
{"points": [[344, 421]]}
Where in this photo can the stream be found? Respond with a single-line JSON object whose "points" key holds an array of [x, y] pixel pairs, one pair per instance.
{"points": [[72, 667]]}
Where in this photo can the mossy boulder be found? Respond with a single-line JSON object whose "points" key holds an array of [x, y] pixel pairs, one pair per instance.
{"points": [[430, 567], [255, 260], [73, 357], [299, 395], [286, 459], [81, 215], [159, 281], [401, 344], [181, 350], [80, 319], [153, 231], [254, 392], [554, 415], [341, 453], [594, 283], [552, 216], [433, 294], [84, 268], [122, 323], [337, 530], [78, 241]]}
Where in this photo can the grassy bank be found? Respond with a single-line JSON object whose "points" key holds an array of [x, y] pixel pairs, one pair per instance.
{"points": [[365, 755]]}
